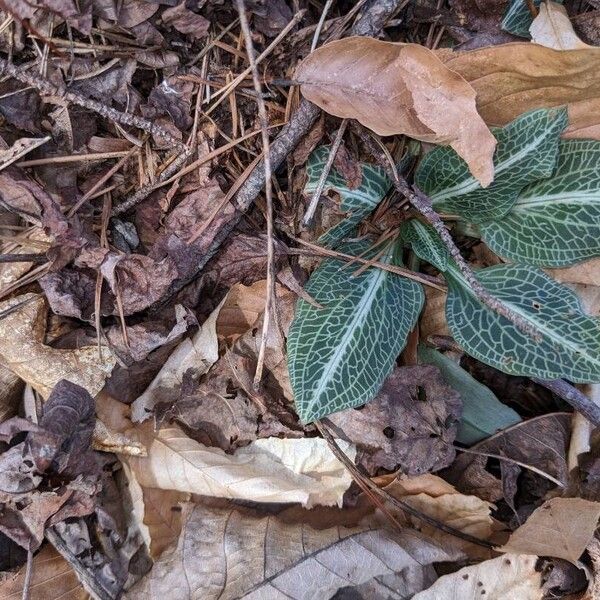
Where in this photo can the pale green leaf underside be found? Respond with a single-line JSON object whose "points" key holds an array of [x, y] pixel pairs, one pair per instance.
{"points": [[483, 414], [554, 222], [570, 344], [358, 203], [425, 243], [340, 355], [527, 151]]}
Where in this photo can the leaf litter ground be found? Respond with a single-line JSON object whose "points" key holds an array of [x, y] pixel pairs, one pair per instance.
{"points": [[140, 454]]}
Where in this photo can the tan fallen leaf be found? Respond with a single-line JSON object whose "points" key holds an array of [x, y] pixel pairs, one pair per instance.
{"points": [[399, 88], [436, 498], [52, 579], [227, 554], [552, 28], [511, 576], [561, 527], [242, 307], [267, 470], [22, 330], [198, 353], [511, 79]]}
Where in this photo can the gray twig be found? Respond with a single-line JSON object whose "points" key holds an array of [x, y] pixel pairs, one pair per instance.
{"points": [[577, 399]]}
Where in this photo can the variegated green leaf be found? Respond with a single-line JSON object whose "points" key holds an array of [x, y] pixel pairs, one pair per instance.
{"points": [[425, 243], [483, 414], [554, 222], [339, 355], [358, 203], [527, 151], [570, 339]]}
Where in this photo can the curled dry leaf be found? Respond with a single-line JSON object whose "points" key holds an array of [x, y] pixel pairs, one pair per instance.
{"points": [[22, 331], [553, 29], [511, 79], [268, 470], [193, 356], [233, 553], [399, 88], [561, 527], [510, 576], [52, 579], [186, 21]]}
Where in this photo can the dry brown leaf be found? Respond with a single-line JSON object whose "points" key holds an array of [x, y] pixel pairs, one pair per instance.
{"points": [[399, 88], [196, 354], [186, 21], [227, 554], [268, 470], [52, 579], [23, 351], [511, 79], [561, 527], [157, 513], [553, 29], [242, 307], [512, 576], [435, 497]]}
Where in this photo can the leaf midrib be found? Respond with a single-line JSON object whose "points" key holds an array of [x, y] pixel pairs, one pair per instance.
{"points": [[471, 184], [528, 317], [360, 315]]}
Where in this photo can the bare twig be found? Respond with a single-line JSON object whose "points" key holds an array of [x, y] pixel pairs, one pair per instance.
{"points": [[28, 576], [400, 504], [312, 206], [577, 399], [264, 125], [320, 24], [17, 258], [423, 204]]}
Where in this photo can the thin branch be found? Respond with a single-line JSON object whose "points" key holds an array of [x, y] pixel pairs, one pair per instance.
{"points": [[400, 504], [18, 258], [312, 207], [577, 399], [423, 204], [320, 24], [264, 126]]}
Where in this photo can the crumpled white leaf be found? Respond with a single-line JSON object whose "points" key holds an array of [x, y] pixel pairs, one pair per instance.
{"points": [[268, 470]]}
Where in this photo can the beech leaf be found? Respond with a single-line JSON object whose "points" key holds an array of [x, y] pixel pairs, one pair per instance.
{"points": [[399, 88], [510, 79], [553, 28], [561, 527], [233, 553]]}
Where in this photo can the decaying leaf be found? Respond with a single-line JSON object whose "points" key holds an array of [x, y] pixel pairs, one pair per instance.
{"points": [[513, 78], [541, 442], [399, 88], [23, 351], [194, 356], [510, 576], [233, 553], [561, 527], [52, 579], [410, 425], [268, 470], [553, 29], [186, 21]]}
